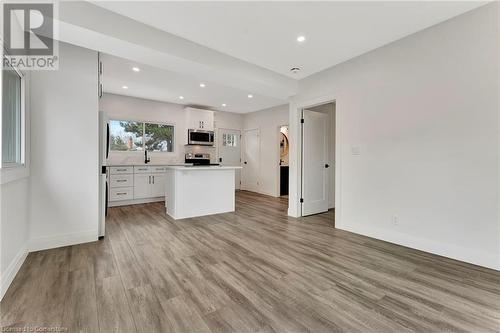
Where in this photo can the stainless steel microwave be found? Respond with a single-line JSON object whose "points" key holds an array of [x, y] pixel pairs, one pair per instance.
{"points": [[200, 137]]}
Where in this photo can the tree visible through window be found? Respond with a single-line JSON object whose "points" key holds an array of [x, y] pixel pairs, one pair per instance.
{"points": [[159, 137], [137, 136]]}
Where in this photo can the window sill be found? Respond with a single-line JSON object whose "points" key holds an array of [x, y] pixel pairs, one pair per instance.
{"points": [[13, 173]]}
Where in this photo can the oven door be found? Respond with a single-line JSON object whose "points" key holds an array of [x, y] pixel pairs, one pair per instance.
{"points": [[205, 138]]}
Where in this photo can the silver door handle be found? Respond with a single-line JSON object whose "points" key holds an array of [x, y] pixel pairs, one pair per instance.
{"points": [[149, 177], [153, 179]]}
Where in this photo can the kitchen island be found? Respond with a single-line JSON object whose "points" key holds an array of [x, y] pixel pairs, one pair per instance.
{"points": [[193, 191]]}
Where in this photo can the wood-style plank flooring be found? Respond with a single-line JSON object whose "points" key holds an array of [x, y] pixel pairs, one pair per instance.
{"points": [[255, 270]]}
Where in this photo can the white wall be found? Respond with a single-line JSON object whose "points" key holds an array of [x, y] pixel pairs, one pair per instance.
{"points": [[130, 108], [14, 208], [268, 122], [14, 229], [64, 154], [424, 113]]}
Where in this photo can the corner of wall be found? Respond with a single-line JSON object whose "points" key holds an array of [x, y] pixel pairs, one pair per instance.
{"points": [[10, 273]]}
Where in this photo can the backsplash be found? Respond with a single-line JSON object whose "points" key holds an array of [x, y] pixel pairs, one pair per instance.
{"points": [[177, 157]]}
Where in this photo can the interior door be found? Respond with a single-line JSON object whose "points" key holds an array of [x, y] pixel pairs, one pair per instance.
{"points": [[158, 184], [229, 146], [314, 163], [251, 160]]}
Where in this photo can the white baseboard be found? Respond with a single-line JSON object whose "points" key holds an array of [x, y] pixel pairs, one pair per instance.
{"points": [[471, 256], [134, 201], [52, 242], [10, 273]]}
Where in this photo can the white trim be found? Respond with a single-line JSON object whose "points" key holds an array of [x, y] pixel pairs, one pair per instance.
{"points": [[17, 171], [295, 171], [52, 242], [134, 201], [10, 273]]}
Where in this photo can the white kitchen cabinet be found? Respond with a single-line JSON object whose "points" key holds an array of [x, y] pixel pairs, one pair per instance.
{"points": [[121, 193], [142, 186], [121, 170], [199, 119], [121, 180], [136, 184], [158, 184]]}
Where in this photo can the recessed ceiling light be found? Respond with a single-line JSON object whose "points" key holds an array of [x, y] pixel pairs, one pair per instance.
{"points": [[125, 87], [136, 69], [301, 39], [202, 85], [181, 97], [250, 96], [223, 104]]}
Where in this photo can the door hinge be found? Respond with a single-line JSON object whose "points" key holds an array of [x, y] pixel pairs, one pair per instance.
{"points": [[302, 120], [301, 200]]}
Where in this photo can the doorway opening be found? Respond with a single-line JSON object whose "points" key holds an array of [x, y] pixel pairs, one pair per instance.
{"points": [[284, 147], [318, 130]]}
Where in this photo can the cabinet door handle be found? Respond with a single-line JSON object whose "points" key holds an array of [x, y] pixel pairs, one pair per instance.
{"points": [[153, 179], [149, 179], [121, 180]]}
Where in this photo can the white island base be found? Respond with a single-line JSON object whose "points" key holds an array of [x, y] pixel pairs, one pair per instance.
{"points": [[199, 191]]}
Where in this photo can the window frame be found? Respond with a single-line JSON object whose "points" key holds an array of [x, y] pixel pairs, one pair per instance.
{"points": [[144, 137], [14, 171]]}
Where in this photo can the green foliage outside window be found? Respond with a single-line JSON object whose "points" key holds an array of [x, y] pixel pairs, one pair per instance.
{"points": [[137, 136]]}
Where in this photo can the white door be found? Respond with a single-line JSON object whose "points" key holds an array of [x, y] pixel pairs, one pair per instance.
{"points": [[315, 163], [251, 160], [158, 184], [229, 146], [142, 186]]}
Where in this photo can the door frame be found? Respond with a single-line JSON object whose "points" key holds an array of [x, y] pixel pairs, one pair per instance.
{"points": [[296, 146], [243, 152], [217, 147]]}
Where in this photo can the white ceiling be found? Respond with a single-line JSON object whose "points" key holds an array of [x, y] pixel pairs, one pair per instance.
{"points": [[163, 85], [264, 33]]}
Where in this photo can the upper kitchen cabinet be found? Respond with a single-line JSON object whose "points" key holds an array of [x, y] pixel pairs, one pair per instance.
{"points": [[199, 119]]}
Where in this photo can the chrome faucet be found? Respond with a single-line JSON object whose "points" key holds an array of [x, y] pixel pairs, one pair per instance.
{"points": [[146, 158]]}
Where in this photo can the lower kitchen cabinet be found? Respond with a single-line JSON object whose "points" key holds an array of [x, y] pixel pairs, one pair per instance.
{"points": [[142, 186], [136, 184], [149, 185], [158, 184]]}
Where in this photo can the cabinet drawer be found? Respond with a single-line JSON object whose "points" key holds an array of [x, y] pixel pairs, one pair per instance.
{"points": [[121, 193], [120, 170], [142, 169], [121, 180], [158, 169]]}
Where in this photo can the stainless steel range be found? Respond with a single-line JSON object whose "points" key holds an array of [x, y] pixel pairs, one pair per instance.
{"points": [[198, 159]]}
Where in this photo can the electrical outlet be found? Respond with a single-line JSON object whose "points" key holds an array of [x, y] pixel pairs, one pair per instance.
{"points": [[395, 220]]}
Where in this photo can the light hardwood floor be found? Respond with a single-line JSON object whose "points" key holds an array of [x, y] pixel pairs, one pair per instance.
{"points": [[255, 270]]}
